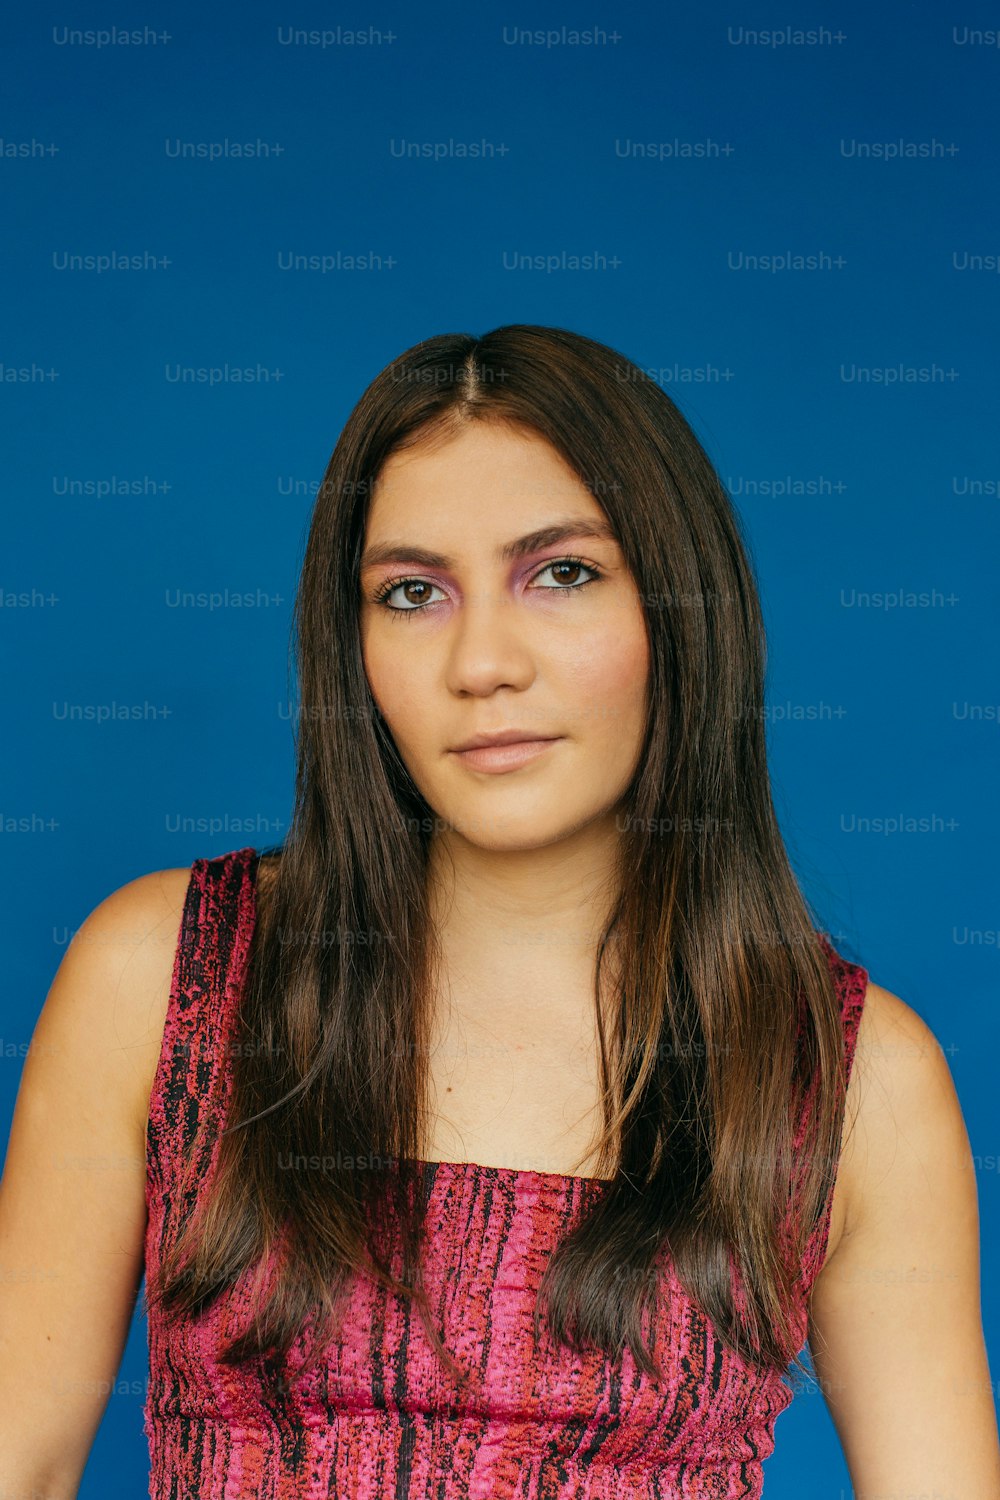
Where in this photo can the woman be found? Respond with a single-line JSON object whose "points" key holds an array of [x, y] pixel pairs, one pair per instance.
{"points": [[503, 1137]]}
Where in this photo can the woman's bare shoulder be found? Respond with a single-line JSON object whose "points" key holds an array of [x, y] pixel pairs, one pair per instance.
{"points": [[901, 1084], [72, 1207], [122, 957], [896, 1321]]}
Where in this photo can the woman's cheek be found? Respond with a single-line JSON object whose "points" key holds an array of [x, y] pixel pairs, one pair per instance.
{"points": [[611, 662]]}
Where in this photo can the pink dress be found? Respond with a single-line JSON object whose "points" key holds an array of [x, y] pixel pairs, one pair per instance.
{"points": [[372, 1421]]}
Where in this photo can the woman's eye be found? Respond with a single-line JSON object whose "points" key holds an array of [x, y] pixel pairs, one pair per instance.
{"points": [[407, 587], [572, 566]]}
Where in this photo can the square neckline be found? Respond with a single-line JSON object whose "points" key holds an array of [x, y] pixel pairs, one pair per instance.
{"points": [[513, 1172]]}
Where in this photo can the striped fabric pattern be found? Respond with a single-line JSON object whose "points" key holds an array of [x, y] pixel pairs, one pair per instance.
{"points": [[378, 1418]]}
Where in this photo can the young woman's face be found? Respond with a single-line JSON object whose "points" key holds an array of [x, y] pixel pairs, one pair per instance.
{"points": [[474, 623]]}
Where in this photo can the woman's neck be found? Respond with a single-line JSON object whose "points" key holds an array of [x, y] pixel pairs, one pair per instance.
{"points": [[524, 913]]}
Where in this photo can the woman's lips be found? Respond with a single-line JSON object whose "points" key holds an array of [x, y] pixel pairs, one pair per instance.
{"points": [[497, 758]]}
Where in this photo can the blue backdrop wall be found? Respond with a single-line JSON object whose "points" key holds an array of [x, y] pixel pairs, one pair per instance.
{"points": [[219, 228]]}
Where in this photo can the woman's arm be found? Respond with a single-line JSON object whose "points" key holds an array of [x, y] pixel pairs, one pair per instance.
{"points": [[896, 1327], [72, 1198]]}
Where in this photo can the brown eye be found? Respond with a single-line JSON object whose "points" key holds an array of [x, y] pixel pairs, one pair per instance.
{"points": [[573, 565], [412, 606]]}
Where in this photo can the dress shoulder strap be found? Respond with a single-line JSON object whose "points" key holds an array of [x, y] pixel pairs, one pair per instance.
{"points": [[850, 981], [191, 1083]]}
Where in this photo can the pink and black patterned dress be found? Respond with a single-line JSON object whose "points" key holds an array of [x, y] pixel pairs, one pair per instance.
{"points": [[373, 1420]]}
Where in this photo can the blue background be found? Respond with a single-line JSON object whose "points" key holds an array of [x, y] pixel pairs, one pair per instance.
{"points": [[876, 711]]}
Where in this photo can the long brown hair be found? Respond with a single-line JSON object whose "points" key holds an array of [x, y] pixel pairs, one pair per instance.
{"points": [[725, 1009]]}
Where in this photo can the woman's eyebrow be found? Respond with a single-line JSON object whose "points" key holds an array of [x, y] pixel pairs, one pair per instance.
{"points": [[522, 546]]}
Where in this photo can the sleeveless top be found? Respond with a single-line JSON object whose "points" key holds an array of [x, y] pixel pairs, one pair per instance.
{"points": [[373, 1420]]}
